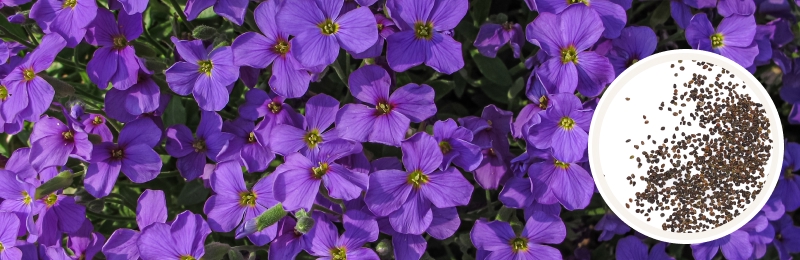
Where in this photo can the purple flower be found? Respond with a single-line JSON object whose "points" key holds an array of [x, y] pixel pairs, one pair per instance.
{"points": [[491, 129], [760, 233], [183, 239], [319, 30], [517, 193], [320, 113], [60, 214], [289, 78], [133, 155], [192, 151], [151, 208], [680, 12], [735, 246], [631, 247], [386, 118], [455, 144], [96, 124], [386, 28], [565, 38], [205, 73], [4, 3], [407, 197], [422, 38], [233, 203], [258, 104], [787, 237], [233, 10], [131, 7], [5, 53], [788, 188], [611, 14], [289, 242], [492, 36], [29, 95], [611, 225], [8, 236], [85, 243], [634, 43], [18, 198], [733, 38], [143, 97], [115, 61], [564, 127], [359, 228], [67, 18], [299, 177], [563, 181], [727, 8], [248, 147], [52, 142], [500, 242]]}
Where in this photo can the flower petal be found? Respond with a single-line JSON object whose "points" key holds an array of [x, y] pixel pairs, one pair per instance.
{"points": [[447, 188], [388, 191]]}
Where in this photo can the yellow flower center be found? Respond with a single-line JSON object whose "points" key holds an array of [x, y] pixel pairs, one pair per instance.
{"points": [[50, 200], [2, 247], [120, 42], [116, 153], [3, 93], [247, 199], [187, 257], [282, 47], [28, 74], [543, 102], [199, 145], [313, 138], [789, 172], [566, 123], [380, 27], [328, 27], [69, 3], [519, 244], [417, 179], [716, 40], [320, 171], [423, 30], [97, 120], [68, 135], [251, 138], [445, 147], [275, 107], [384, 108], [205, 66], [632, 61], [339, 253], [561, 164], [569, 54], [26, 198]]}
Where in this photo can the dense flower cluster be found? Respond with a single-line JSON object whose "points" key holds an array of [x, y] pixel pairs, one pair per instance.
{"points": [[347, 129]]}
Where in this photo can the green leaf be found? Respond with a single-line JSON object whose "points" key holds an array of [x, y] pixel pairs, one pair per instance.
{"points": [[480, 11], [175, 113], [270, 217], [14, 29], [235, 255], [216, 251], [661, 14], [144, 49], [519, 84], [441, 87], [204, 32], [62, 88], [496, 92], [460, 84], [492, 69], [193, 193], [62, 180]]}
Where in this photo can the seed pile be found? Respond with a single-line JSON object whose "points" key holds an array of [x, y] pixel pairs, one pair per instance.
{"points": [[702, 180]]}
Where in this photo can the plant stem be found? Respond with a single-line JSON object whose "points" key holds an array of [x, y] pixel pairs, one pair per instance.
{"points": [[324, 209], [178, 10]]}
